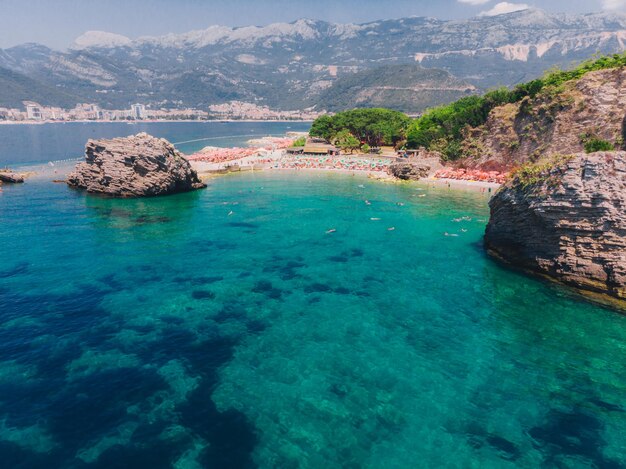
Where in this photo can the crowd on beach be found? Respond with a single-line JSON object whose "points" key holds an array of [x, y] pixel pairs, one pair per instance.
{"points": [[265, 152], [258, 148], [462, 174], [268, 157], [327, 162], [222, 155]]}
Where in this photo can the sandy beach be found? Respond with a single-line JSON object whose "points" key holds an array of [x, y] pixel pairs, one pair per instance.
{"points": [[261, 159], [280, 161]]}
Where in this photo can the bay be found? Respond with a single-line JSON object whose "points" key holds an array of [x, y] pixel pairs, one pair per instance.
{"points": [[276, 319]]}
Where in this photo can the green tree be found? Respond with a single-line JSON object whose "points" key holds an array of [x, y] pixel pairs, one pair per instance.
{"points": [[346, 141], [323, 127]]}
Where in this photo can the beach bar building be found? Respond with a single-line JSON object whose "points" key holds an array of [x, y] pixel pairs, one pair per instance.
{"points": [[314, 148]]}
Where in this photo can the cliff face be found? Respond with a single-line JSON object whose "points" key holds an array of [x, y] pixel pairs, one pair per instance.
{"points": [[567, 221], [135, 166], [555, 122]]}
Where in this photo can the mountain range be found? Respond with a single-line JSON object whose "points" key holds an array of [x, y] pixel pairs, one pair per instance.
{"points": [[299, 65]]}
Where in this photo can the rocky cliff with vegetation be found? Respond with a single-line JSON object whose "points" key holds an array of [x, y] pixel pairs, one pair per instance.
{"points": [[565, 218], [564, 112], [587, 114], [135, 166]]}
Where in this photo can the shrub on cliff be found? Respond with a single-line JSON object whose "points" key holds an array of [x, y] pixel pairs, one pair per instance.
{"points": [[594, 145], [531, 174]]}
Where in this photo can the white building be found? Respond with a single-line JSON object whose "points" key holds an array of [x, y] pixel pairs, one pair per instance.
{"points": [[33, 111], [138, 111]]}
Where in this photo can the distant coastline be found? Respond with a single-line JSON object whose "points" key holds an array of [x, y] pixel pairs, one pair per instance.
{"points": [[151, 121]]}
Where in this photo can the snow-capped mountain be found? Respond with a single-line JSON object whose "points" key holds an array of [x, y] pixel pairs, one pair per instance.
{"points": [[95, 39], [289, 65]]}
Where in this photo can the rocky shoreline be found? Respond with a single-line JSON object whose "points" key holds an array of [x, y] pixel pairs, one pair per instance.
{"points": [[566, 219], [10, 177]]}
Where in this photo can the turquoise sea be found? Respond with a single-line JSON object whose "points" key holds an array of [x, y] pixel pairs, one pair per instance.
{"points": [[232, 328]]}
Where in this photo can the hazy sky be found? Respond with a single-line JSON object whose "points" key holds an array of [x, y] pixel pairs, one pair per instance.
{"points": [[57, 23]]}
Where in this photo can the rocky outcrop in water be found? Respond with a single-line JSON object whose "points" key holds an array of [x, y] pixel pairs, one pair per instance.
{"points": [[135, 166], [566, 219], [11, 177], [409, 171]]}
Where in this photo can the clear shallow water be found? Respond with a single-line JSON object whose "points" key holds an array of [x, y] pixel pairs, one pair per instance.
{"points": [[32, 144], [167, 333]]}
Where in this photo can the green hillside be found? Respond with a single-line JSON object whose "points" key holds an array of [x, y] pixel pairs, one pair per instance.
{"points": [[17, 88], [406, 88]]}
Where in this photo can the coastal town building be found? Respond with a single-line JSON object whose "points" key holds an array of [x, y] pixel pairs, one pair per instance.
{"points": [[138, 111], [7, 114], [33, 111], [250, 111], [236, 110]]}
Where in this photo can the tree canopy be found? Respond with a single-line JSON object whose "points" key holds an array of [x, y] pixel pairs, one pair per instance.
{"points": [[375, 127], [346, 141]]}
